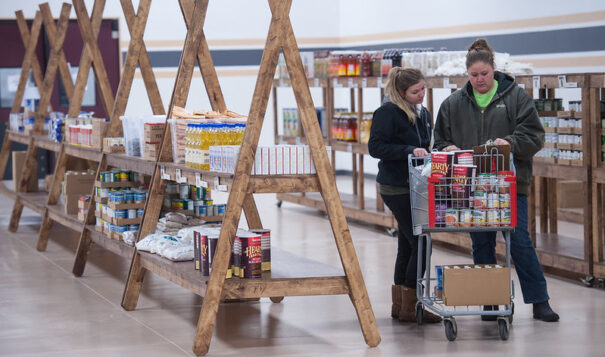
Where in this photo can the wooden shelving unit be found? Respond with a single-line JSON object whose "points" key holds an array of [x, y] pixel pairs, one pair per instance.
{"points": [[555, 251], [241, 187], [597, 96]]}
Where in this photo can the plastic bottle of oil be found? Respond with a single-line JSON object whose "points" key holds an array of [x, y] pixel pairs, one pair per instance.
{"points": [[205, 144], [197, 147]]}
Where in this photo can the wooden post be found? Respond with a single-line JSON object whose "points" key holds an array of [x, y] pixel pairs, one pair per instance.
{"points": [[275, 116], [588, 109], [91, 45], [552, 205], [28, 59], [35, 66], [28, 167], [75, 103]]}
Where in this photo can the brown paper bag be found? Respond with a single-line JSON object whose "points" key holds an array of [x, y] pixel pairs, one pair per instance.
{"points": [[492, 155]]}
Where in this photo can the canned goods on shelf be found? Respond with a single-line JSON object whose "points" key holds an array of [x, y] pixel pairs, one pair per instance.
{"points": [[466, 218], [493, 217], [505, 217], [132, 213], [121, 213], [184, 191], [451, 217], [493, 200], [504, 200], [480, 199], [479, 217], [133, 227]]}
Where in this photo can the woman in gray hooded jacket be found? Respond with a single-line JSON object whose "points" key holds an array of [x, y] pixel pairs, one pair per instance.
{"points": [[492, 107]]}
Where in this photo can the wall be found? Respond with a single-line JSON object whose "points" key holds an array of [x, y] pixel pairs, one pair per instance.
{"points": [[557, 36]]}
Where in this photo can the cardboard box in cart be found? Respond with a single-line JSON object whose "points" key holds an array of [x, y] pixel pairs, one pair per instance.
{"points": [[476, 285]]}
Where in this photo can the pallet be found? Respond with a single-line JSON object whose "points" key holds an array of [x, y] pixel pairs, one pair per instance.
{"points": [[242, 186]]}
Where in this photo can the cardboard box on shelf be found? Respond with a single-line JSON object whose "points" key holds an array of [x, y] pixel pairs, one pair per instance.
{"points": [[476, 285], [70, 203], [99, 126], [153, 132], [18, 161], [151, 151], [114, 145], [78, 183]]}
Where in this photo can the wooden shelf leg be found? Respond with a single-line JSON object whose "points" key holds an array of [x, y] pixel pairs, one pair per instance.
{"points": [[134, 284], [251, 212], [355, 174], [45, 227], [597, 218], [361, 190], [30, 168], [5, 154], [84, 245], [543, 205], [552, 205]]}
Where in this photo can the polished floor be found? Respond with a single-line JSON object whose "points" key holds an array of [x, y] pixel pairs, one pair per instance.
{"points": [[46, 311]]}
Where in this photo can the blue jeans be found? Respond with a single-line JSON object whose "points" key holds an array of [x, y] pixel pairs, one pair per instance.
{"points": [[531, 277]]}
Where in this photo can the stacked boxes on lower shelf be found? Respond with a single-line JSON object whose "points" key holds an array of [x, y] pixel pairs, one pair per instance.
{"points": [[269, 160], [119, 203], [192, 201], [250, 253], [75, 185]]}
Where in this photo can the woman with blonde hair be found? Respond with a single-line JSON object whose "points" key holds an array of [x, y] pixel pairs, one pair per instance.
{"points": [[400, 127]]}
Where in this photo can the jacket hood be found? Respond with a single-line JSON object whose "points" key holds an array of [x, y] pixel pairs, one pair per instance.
{"points": [[505, 82]]}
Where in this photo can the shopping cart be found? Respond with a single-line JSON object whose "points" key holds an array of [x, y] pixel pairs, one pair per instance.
{"points": [[439, 203]]}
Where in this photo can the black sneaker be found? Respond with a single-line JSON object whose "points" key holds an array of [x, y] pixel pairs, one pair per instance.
{"points": [[543, 311], [490, 317]]}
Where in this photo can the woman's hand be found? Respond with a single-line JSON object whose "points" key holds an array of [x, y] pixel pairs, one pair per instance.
{"points": [[499, 141], [420, 152], [451, 148]]}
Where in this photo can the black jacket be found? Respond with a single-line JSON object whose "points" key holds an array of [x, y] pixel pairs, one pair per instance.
{"points": [[393, 138]]}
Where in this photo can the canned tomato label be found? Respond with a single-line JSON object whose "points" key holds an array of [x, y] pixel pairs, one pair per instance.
{"points": [[251, 256], [265, 243], [466, 218], [479, 217], [493, 200], [504, 200], [493, 217], [505, 217], [140, 212], [451, 217], [132, 213], [480, 201]]}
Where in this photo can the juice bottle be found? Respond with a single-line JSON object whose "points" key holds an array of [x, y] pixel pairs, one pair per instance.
{"points": [[350, 65], [204, 145], [366, 69], [198, 146], [357, 65], [188, 157], [342, 65], [240, 133]]}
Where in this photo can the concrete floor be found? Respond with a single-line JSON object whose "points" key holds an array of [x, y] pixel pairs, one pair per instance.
{"points": [[46, 311]]}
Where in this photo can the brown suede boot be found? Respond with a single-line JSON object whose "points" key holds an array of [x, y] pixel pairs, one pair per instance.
{"points": [[396, 296], [408, 308]]}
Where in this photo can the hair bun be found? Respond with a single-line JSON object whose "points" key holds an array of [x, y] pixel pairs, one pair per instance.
{"points": [[481, 45]]}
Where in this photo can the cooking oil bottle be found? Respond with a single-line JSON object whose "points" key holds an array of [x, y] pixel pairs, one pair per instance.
{"points": [[204, 146]]}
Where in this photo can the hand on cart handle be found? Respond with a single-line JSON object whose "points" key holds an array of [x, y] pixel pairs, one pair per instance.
{"points": [[420, 152], [499, 141], [451, 148]]}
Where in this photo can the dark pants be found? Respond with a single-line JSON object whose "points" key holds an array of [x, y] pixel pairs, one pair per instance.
{"points": [[531, 277], [406, 265]]}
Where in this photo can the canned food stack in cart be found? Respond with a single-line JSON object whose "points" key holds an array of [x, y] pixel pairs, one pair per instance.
{"points": [[464, 191]]}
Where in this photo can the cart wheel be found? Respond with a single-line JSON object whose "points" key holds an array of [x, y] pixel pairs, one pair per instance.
{"points": [[392, 232], [419, 313], [279, 202], [451, 330], [503, 328], [276, 299], [588, 281]]}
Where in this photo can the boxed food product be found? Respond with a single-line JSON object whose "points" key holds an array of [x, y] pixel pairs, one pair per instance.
{"points": [[151, 151], [99, 128], [18, 161], [114, 145], [70, 203], [153, 132], [466, 285], [78, 183]]}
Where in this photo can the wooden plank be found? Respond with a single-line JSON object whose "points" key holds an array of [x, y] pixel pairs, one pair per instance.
{"points": [[54, 60], [251, 212], [275, 130], [213, 88], [5, 152], [552, 205], [543, 205], [75, 103], [361, 183], [83, 152], [342, 235], [117, 247], [85, 241], [354, 173], [51, 32], [29, 167], [597, 219], [588, 108], [97, 59], [57, 214], [153, 93], [130, 64], [27, 61], [35, 65], [44, 142], [258, 288], [560, 172], [187, 278], [279, 184]]}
